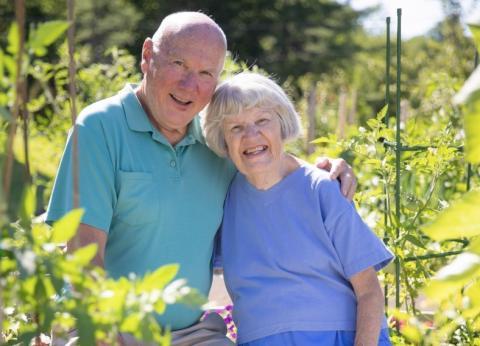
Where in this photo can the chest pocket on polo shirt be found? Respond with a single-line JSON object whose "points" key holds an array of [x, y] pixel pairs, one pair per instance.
{"points": [[137, 201]]}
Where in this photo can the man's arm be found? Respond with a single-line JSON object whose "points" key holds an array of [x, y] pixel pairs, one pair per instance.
{"points": [[369, 307], [87, 235], [341, 170]]}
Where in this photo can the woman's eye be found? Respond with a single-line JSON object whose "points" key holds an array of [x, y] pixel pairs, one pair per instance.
{"points": [[236, 128], [178, 62], [262, 121]]}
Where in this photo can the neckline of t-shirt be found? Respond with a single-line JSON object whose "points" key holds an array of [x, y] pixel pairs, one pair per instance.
{"points": [[272, 192]]}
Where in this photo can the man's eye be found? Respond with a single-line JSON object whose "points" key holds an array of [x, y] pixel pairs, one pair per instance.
{"points": [[178, 62], [262, 121], [206, 74], [236, 128]]}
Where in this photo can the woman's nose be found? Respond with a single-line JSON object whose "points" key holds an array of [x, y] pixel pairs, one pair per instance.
{"points": [[251, 130]]}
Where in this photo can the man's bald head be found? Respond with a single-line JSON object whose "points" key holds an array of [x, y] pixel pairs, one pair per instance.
{"points": [[181, 65], [190, 24]]}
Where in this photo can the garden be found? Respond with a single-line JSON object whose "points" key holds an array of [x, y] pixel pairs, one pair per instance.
{"points": [[404, 113]]}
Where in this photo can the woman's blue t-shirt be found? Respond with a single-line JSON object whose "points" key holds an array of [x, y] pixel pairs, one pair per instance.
{"points": [[288, 253]]}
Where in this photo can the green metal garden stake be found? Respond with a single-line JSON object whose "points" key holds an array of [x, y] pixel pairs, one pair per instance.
{"points": [[398, 152], [387, 102]]}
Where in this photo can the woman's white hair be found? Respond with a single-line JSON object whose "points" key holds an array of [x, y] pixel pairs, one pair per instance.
{"points": [[242, 92]]}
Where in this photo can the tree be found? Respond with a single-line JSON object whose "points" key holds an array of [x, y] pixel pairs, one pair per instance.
{"points": [[286, 38]]}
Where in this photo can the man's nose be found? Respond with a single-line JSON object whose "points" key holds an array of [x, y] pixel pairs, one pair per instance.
{"points": [[188, 81]]}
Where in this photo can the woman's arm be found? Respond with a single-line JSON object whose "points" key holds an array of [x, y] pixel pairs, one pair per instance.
{"points": [[369, 307]]}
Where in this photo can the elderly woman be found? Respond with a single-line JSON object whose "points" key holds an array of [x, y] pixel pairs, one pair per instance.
{"points": [[299, 263]]}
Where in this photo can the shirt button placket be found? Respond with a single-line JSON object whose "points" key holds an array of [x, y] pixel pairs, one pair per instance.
{"points": [[175, 169]]}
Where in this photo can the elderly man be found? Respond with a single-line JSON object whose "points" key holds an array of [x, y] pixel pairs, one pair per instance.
{"points": [[152, 190]]}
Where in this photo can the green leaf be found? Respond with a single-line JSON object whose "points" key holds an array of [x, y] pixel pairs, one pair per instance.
{"points": [[131, 323], [28, 286], [65, 228], [472, 129], [373, 162], [372, 123], [160, 277], [40, 233], [45, 34], [10, 66], [475, 30], [160, 306], [24, 338], [85, 254], [415, 241], [2, 63], [27, 208], [471, 85], [13, 39], [454, 276], [382, 113], [474, 246], [459, 220], [40, 291], [321, 140], [86, 329], [412, 334], [7, 265], [46, 318]]}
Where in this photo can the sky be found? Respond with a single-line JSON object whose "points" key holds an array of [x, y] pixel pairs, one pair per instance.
{"points": [[418, 16]]}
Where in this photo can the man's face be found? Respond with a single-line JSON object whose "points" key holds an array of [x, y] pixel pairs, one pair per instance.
{"points": [[180, 78]]}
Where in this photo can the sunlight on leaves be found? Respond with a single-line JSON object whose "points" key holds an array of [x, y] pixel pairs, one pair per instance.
{"points": [[45, 34], [85, 254], [65, 228], [453, 276], [458, 219], [28, 204]]}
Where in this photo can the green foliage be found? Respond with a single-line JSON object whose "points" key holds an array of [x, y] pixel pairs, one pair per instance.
{"points": [[44, 35], [456, 221], [289, 38], [104, 24], [35, 272], [48, 99], [431, 176], [455, 289]]}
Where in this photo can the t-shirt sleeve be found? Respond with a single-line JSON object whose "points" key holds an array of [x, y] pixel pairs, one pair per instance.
{"points": [[97, 194], [357, 247]]}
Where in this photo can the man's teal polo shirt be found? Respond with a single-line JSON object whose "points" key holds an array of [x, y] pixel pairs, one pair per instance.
{"points": [[158, 204]]}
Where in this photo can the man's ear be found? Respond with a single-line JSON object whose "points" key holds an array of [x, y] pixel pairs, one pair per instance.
{"points": [[147, 54]]}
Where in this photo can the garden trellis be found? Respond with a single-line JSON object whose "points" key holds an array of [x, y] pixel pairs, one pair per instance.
{"points": [[399, 148]]}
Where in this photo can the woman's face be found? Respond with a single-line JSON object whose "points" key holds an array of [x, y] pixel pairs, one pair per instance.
{"points": [[254, 141]]}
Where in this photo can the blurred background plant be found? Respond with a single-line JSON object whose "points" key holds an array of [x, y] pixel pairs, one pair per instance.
{"points": [[46, 293]]}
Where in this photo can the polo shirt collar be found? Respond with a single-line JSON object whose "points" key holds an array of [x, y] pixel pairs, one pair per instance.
{"points": [[137, 119]]}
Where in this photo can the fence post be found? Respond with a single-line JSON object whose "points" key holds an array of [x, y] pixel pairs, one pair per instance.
{"points": [[73, 94]]}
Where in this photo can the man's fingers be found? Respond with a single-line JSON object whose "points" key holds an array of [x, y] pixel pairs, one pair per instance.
{"points": [[339, 168], [352, 189], [346, 183], [322, 163]]}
